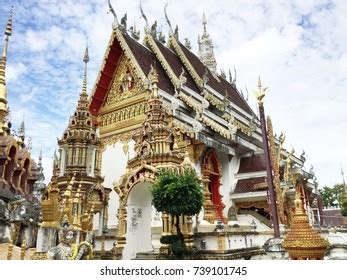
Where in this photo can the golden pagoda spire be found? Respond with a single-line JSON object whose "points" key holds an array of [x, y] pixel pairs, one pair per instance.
{"points": [[303, 242], [3, 90], [84, 95]]}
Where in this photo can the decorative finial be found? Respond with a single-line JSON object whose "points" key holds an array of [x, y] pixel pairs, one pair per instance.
{"points": [[302, 157], [144, 17], [235, 76], [161, 37], [154, 30], [153, 78], [86, 55], [187, 44], [21, 130], [176, 32], [134, 33], [167, 20], [204, 22], [222, 73], [29, 145], [84, 94], [123, 22], [111, 10], [40, 157], [247, 96], [260, 93]]}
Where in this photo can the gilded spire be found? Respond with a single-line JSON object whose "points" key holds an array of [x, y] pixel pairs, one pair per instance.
{"points": [[82, 103], [3, 90], [85, 60]]}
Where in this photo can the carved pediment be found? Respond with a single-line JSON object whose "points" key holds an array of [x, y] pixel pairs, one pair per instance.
{"points": [[125, 83]]}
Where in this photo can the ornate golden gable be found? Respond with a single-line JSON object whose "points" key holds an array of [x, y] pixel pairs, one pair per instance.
{"points": [[126, 102], [125, 83]]}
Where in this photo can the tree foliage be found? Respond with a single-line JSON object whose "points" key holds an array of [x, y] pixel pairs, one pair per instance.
{"points": [[332, 196], [177, 193]]}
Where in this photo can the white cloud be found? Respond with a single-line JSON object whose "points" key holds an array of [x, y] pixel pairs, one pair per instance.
{"points": [[15, 71]]}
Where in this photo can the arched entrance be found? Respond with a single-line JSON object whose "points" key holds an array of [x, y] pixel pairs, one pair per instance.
{"points": [[138, 226], [212, 182]]}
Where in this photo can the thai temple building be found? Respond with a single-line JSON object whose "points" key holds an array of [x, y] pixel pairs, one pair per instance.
{"points": [[156, 104]]}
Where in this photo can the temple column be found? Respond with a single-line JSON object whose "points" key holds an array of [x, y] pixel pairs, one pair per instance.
{"points": [[164, 248], [122, 230], [209, 208], [188, 236]]}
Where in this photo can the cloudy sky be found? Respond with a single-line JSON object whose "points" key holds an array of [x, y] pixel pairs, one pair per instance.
{"points": [[298, 47]]}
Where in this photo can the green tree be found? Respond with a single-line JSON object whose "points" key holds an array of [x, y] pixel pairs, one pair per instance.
{"points": [[177, 194], [333, 196]]}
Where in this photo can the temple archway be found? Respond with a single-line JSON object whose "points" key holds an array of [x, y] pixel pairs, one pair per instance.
{"points": [[212, 173], [139, 215]]}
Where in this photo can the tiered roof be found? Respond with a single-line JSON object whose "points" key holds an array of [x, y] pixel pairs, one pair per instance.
{"points": [[171, 62]]}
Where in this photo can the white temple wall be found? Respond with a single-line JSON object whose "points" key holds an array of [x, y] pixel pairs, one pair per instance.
{"points": [[139, 216], [113, 165], [225, 181], [233, 241], [233, 168]]}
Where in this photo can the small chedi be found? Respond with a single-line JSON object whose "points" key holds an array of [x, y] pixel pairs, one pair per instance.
{"points": [[302, 242], [157, 105]]}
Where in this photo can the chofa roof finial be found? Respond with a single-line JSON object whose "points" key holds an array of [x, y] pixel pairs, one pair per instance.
{"points": [[144, 17], [167, 20], [111, 10]]}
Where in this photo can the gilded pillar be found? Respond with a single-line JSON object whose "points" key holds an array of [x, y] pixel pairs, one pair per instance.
{"points": [[122, 229], [209, 208]]}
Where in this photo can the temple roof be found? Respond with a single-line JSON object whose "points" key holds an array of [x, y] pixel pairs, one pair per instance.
{"points": [[221, 85], [176, 65], [177, 57], [250, 185], [146, 59], [253, 163]]}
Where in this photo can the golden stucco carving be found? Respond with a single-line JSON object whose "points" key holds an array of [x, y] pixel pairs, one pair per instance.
{"points": [[242, 127], [275, 160], [216, 127], [191, 102], [128, 53], [219, 104], [125, 83]]}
